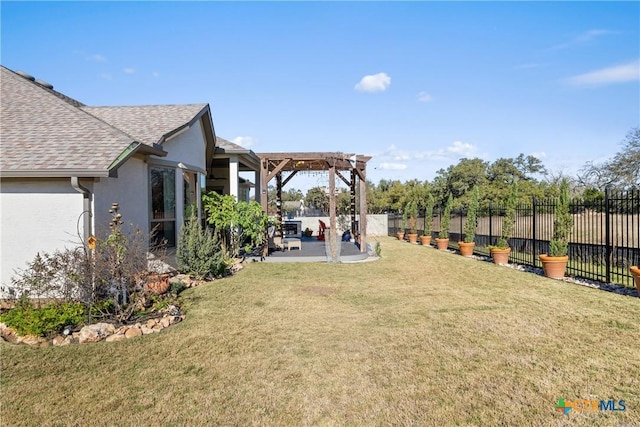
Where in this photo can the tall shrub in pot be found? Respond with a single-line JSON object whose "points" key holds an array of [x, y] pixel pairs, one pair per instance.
{"points": [[412, 214], [445, 224], [500, 251], [554, 264], [425, 239], [470, 225]]}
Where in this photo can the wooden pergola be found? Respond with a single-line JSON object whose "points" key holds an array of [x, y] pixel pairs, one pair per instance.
{"points": [[337, 164]]}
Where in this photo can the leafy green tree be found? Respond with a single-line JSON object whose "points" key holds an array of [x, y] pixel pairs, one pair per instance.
{"points": [[317, 198]]}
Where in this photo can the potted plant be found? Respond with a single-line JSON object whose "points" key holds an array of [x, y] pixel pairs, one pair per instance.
{"points": [[400, 233], [470, 225], [412, 213], [554, 264], [500, 251], [443, 237], [425, 239], [635, 272]]}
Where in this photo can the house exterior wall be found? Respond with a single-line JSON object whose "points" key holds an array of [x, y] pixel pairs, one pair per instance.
{"points": [[130, 190], [36, 216], [188, 147]]}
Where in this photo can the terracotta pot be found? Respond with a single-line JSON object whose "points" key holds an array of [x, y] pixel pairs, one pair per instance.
{"points": [[157, 283], [413, 237], [400, 235], [635, 272], [466, 249], [442, 244], [500, 256], [425, 240], [554, 266]]}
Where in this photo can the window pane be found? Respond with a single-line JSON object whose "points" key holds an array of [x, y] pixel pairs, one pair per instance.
{"points": [[163, 193], [163, 232], [190, 200]]}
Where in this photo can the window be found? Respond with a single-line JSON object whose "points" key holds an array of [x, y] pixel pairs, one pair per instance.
{"points": [[163, 205], [190, 192]]}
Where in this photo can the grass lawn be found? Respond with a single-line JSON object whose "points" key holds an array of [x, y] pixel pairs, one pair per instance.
{"points": [[420, 337]]}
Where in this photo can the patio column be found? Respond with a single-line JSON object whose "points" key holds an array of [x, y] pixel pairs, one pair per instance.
{"points": [[234, 177], [363, 210], [333, 241]]}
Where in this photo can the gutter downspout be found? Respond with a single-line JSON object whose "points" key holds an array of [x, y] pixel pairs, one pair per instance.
{"points": [[86, 208]]}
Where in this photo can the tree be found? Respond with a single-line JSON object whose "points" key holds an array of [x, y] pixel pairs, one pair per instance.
{"points": [[622, 171], [316, 198]]}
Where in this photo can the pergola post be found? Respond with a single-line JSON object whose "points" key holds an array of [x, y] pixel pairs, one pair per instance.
{"points": [[333, 240], [352, 205], [362, 174]]}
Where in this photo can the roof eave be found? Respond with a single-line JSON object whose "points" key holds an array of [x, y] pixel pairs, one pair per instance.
{"points": [[55, 173], [185, 126]]}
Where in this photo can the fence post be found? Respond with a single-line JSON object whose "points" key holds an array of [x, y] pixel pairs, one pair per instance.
{"points": [[533, 230], [607, 234], [490, 225], [461, 229]]}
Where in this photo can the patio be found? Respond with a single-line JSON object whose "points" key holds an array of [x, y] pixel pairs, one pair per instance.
{"points": [[314, 250]]}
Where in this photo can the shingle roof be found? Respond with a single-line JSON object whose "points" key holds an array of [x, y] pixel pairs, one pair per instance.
{"points": [[149, 124], [228, 146], [42, 133]]}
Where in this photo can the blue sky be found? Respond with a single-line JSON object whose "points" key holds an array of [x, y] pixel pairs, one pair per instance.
{"points": [[416, 85]]}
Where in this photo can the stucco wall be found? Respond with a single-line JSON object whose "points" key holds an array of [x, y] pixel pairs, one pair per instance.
{"points": [[188, 147], [36, 216], [131, 190]]}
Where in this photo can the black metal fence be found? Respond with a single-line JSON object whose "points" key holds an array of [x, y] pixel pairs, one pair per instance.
{"points": [[604, 243]]}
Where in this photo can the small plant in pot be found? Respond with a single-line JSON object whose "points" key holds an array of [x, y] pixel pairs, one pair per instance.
{"points": [[443, 237], [635, 272], [470, 225], [500, 251], [400, 233], [425, 239], [554, 264], [412, 213]]}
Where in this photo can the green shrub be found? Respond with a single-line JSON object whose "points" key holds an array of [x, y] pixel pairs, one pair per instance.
{"points": [[562, 223], [509, 219], [446, 219], [471, 223], [47, 320], [428, 215], [199, 252]]}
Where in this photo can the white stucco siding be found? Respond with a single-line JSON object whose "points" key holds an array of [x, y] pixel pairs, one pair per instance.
{"points": [[188, 147], [130, 190], [36, 216]]}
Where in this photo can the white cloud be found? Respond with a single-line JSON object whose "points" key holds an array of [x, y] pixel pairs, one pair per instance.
{"points": [[617, 74], [244, 141], [155, 74], [392, 166], [129, 70], [456, 150], [96, 57], [105, 76], [583, 38], [424, 97], [460, 148], [374, 83]]}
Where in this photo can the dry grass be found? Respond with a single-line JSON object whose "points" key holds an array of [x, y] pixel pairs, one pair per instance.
{"points": [[420, 337]]}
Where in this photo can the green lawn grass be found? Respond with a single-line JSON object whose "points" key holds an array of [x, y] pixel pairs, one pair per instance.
{"points": [[419, 337]]}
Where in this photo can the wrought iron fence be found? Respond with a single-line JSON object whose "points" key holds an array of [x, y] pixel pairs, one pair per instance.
{"points": [[604, 243]]}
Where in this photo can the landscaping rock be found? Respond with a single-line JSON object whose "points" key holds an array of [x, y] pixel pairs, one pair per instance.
{"points": [[30, 340], [95, 332], [116, 337], [133, 332], [59, 340]]}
